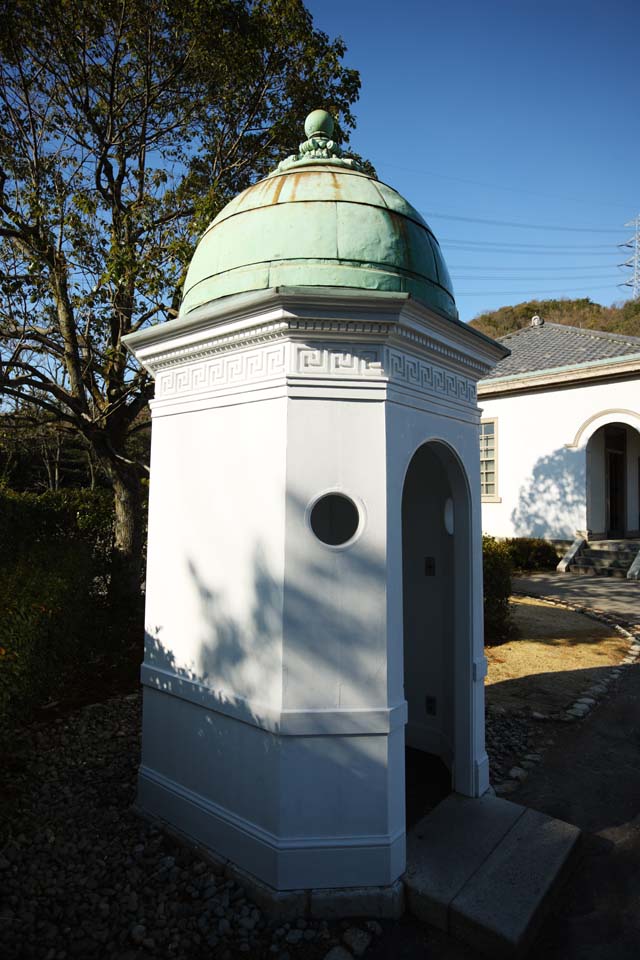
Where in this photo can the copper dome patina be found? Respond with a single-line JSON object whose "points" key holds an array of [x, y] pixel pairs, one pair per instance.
{"points": [[319, 221]]}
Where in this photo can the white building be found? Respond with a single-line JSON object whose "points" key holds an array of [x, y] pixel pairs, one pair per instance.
{"points": [[560, 447], [314, 581]]}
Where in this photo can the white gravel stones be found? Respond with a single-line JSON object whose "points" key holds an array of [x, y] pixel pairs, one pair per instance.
{"points": [[138, 933], [506, 787], [578, 710], [338, 953], [357, 940], [81, 876], [518, 773]]}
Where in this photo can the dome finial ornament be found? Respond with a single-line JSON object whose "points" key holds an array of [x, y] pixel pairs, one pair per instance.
{"points": [[319, 123], [319, 148]]}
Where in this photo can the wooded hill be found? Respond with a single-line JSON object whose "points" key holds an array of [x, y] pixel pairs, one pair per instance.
{"points": [[622, 318]]}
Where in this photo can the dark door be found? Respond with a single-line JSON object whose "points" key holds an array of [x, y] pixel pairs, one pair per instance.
{"points": [[615, 442]]}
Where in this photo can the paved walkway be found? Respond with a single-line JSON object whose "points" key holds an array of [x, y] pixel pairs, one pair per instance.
{"points": [[608, 594], [589, 777]]}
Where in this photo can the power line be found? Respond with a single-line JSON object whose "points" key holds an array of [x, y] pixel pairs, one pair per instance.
{"points": [[475, 266], [501, 245], [519, 225], [497, 186], [529, 292], [541, 279]]}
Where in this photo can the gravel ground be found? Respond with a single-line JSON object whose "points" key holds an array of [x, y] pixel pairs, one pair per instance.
{"points": [[82, 876], [509, 737]]}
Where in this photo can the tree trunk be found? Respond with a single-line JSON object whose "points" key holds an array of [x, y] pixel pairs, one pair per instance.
{"points": [[126, 561], [92, 472]]}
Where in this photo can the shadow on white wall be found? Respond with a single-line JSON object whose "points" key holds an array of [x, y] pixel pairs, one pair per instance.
{"points": [[552, 502]]}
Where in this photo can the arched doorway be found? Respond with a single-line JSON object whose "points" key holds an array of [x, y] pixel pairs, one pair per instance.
{"points": [[436, 573], [613, 482]]}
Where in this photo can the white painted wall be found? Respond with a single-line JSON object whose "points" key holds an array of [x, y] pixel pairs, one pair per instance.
{"points": [[333, 594], [542, 457], [274, 704], [216, 547]]}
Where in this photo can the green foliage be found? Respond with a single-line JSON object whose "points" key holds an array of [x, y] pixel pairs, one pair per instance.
{"points": [[497, 567], [48, 520], [532, 553], [622, 318], [47, 624], [55, 555], [124, 128]]}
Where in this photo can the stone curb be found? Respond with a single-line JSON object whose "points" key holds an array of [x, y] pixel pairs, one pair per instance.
{"points": [[589, 698]]}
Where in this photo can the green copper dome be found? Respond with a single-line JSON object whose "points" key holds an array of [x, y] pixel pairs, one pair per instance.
{"points": [[319, 221]]}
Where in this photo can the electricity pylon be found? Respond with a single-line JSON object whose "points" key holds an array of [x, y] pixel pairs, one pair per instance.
{"points": [[633, 261]]}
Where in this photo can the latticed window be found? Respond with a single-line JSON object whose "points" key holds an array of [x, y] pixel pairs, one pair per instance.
{"points": [[488, 473]]}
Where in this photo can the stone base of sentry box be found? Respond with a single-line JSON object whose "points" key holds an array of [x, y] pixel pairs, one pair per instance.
{"points": [[285, 905]]}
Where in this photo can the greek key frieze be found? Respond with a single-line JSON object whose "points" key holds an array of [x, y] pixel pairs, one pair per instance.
{"points": [[337, 361], [429, 377], [221, 371]]}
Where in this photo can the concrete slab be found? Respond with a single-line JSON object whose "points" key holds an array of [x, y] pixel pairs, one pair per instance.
{"points": [[448, 846], [485, 870], [500, 908]]}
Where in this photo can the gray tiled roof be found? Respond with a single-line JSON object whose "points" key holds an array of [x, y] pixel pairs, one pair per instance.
{"points": [[557, 345]]}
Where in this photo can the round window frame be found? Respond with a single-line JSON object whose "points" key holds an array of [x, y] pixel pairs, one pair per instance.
{"points": [[358, 504]]}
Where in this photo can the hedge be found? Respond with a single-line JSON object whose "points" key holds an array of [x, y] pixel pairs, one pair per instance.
{"points": [[29, 519], [54, 567], [48, 619], [532, 553], [497, 566]]}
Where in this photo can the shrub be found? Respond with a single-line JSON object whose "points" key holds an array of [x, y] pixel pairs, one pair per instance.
{"points": [[532, 553], [47, 618], [31, 521], [497, 567], [55, 627]]}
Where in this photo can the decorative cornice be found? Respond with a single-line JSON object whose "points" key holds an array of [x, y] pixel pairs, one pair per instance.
{"points": [[294, 338], [431, 345], [157, 358], [321, 362], [223, 343]]}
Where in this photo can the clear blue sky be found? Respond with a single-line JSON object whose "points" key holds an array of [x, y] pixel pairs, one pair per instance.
{"points": [[507, 110]]}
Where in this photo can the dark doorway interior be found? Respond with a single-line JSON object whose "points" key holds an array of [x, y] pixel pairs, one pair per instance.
{"points": [[428, 781], [428, 606], [615, 443]]}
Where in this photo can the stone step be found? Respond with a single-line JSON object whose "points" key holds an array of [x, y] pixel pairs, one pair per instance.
{"points": [[632, 545], [605, 558], [589, 570], [486, 871], [619, 557]]}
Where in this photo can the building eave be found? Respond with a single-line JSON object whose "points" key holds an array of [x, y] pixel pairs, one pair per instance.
{"points": [[556, 378]]}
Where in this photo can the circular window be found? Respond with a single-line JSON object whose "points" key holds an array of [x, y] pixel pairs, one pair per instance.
{"points": [[334, 519]]}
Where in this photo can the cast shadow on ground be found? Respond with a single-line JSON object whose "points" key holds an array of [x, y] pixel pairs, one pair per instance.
{"points": [[604, 768], [548, 692]]}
